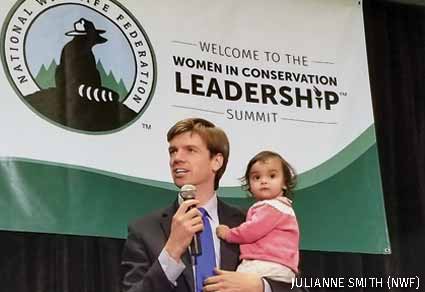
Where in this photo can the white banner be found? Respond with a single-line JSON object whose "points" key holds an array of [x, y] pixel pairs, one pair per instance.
{"points": [[289, 76]]}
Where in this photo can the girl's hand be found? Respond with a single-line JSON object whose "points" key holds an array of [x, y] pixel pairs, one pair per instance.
{"points": [[222, 231]]}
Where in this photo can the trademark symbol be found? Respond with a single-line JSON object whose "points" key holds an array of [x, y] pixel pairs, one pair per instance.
{"points": [[146, 126]]}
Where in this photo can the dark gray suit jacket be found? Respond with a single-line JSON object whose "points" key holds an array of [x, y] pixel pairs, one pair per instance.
{"points": [[147, 236]]}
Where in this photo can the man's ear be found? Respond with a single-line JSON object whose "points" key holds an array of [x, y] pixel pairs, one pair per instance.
{"points": [[217, 161]]}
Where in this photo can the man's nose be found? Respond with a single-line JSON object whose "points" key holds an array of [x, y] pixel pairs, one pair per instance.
{"points": [[178, 156]]}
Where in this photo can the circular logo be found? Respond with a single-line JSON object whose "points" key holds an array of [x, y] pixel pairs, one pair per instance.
{"points": [[84, 65]]}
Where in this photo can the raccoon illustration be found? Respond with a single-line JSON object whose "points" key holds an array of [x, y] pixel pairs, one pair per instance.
{"points": [[79, 101]]}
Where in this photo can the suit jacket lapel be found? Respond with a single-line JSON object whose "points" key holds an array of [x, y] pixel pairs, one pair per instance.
{"points": [[167, 216], [229, 253]]}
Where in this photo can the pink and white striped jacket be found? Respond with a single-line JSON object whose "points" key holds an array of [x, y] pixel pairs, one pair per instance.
{"points": [[270, 233]]}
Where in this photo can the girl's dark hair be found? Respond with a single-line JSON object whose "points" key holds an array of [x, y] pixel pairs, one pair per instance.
{"points": [[289, 173]]}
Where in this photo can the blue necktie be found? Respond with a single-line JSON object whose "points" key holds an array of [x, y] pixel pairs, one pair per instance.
{"points": [[206, 261]]}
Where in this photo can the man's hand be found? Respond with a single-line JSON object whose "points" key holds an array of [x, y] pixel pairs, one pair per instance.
{"points": [[184, 225], [222, 231], [226, 281]]}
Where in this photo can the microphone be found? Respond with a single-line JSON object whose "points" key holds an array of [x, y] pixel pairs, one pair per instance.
{"points": [[188, 192]]}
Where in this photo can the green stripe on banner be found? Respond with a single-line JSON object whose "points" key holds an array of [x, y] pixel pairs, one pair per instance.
{"points": [[306, 179], [339, 161], [56, 199], [330, 212]]}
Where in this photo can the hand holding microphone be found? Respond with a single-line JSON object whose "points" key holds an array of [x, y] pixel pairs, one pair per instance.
{"points": [[185, 224], [188, 192]]}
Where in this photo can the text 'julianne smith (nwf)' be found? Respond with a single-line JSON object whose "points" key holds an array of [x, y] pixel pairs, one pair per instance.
{"points": [[390, 282]]}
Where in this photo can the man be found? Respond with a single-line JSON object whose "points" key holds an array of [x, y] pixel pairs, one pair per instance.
{"points": [[155, 256]]}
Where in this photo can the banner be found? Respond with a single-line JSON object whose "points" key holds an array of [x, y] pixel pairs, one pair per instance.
{"points": [[90, 89]]}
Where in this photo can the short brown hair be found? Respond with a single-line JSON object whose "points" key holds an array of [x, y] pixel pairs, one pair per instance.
{"points": [[289, 173], [214, 137]]}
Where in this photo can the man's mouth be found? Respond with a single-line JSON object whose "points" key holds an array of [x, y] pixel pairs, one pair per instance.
{"points": [[178, 171]]}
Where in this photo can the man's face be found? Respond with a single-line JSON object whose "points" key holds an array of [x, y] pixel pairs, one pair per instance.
{"points": [[191, 163]]}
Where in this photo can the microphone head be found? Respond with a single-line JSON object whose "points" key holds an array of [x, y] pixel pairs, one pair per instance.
{"points": [[188, 192]]}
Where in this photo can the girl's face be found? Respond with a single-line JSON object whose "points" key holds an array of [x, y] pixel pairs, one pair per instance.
{"points": [[266, 179]]}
